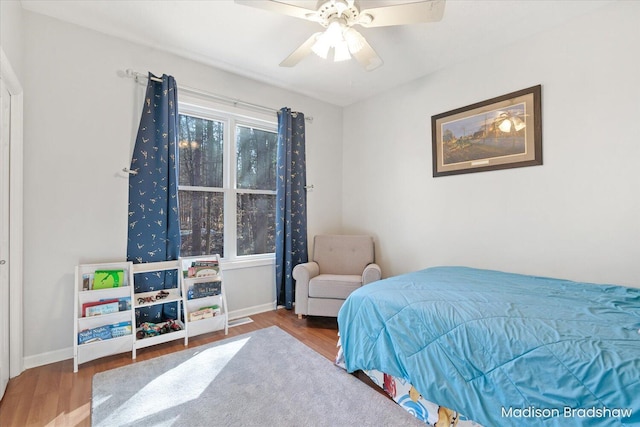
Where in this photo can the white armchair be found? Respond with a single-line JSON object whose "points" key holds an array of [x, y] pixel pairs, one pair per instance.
{"points": [[340, 265]]}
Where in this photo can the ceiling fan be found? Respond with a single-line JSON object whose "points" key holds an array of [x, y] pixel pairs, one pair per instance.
{"points": [[339, 17]]}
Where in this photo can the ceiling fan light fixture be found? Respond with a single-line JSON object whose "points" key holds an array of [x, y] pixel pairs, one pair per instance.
{"points": [[341, 52], [334, 32], [333, 37], [321, 46], [354, 39]]}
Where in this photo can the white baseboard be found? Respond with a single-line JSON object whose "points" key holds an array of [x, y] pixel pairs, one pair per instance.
{"points": [[252, 310], [47, 358], [67, 353]]}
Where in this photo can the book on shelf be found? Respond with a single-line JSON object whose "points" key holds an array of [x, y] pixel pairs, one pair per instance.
{"points": [[204, 313], [203, 268], [121, 329], [205, 289], [124, 303], [106, 306], [95, 308], [104, 279], [102, 333], [87, 282]]}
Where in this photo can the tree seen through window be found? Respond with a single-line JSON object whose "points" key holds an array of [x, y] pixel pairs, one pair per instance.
{"points": [[202, 191]]}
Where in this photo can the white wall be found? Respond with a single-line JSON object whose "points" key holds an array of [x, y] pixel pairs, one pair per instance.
{"points": [[11, 33], [81, 119], [576, 216]]}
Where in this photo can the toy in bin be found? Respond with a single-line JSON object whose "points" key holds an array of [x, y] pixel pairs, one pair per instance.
{"points": [[148, 329]]}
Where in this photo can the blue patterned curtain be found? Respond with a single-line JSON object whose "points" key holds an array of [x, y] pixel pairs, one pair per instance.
{"points": [[291, 203], [154, 230]]}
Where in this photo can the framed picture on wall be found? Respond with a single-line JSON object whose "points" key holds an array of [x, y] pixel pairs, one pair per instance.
{"points": [[499, 133]]}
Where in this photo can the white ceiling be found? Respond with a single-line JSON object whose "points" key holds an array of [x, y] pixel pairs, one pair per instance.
{"points": [[252, 42]]}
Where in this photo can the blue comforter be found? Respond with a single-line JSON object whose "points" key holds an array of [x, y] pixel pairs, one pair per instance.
{"points": [[502, 349]]}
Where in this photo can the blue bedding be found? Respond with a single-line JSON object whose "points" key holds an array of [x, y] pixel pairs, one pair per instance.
{"points": [[502, 349]]}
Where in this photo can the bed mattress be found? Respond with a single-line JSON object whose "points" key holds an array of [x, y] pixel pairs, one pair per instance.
{"points": [[501, 348]]}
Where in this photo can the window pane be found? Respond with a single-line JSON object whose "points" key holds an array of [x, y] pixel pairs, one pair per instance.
{"points": [[256, 224], [200, 151], [256, 154], [201, 222]]}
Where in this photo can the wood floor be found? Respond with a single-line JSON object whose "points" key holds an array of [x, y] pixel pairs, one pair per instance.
{"points": [[53, 395]]}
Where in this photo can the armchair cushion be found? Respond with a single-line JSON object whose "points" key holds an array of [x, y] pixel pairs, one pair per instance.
{"points": [[333, 285], [337, 254]]}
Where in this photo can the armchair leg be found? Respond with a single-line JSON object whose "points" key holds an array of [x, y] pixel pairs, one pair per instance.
{"points": [[299, 316]]}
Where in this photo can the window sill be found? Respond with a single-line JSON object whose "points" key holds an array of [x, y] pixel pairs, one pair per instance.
{"points": [[249, 262]]}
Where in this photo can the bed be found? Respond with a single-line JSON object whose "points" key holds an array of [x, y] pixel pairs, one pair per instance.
{"points": [[498, 349]]}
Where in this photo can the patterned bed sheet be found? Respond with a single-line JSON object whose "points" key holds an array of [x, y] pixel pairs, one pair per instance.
{"points": [[405, 395]]}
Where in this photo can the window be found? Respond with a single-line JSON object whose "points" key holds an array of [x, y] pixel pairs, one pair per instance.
{"points": [[227, 183]]}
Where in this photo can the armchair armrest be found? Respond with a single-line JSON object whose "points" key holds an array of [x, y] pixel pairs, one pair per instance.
{"points": [[302, 273], [371, 273], [305, 272]]}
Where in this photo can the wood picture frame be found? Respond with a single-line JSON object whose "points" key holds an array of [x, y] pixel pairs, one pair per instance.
{"points": [[499, 133]]}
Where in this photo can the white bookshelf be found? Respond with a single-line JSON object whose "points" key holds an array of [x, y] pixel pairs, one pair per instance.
{"points": [[186, 306], [85, 294], [195, 301]]}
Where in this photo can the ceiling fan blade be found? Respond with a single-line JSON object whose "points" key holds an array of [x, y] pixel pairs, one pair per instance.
{"points": [[366, 56], [283, 8], [302, 51], [408, 13]]}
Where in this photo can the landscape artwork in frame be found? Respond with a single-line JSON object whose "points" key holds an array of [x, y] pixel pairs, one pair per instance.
{"points": [[499, 133]]}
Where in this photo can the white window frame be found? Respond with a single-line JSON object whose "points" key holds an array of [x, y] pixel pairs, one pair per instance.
{"points": [[231, 117]]}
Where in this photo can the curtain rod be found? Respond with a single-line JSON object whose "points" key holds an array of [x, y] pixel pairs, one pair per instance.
{"points": [[235, 102]]}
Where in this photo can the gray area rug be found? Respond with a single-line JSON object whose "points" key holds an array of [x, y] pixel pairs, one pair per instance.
{"points": [[263, 378]]}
